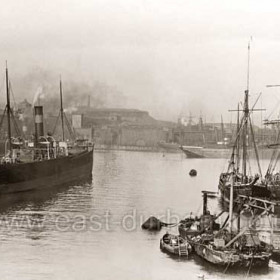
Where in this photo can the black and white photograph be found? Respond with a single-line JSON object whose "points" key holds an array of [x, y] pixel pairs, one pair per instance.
{"points": [[139, 140]]}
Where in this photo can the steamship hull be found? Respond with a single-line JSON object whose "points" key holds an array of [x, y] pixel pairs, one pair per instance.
{"points": [[20, 177]]}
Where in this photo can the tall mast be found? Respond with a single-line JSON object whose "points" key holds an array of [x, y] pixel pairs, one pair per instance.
{"points": [[231, 202], [61, 109], [246, 116], [237, 141], [245, 132], [8, 109]]}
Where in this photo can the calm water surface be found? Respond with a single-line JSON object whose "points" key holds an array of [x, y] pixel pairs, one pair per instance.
{"points": [[93, 231]]}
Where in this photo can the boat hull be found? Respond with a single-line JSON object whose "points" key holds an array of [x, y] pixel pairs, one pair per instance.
{"points": [[230, 258], [169, 147], [245, 190], [182, 248], [21, 177], [204, 152]]}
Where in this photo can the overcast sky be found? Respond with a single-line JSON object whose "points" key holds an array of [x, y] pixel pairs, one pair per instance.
{"points": [[167, 57]]}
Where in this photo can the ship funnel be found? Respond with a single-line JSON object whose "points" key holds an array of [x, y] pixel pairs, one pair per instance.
{"points": [[39, 125]]}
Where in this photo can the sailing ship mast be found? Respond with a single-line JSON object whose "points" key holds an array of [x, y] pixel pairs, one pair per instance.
{"points": [[246, 117], [61, 109], [8, 111], [237, 142]]}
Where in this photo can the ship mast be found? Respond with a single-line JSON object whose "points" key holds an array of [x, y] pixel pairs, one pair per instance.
{"points": [[61, 109], [246, 117], [8, 110], [237, 142]]}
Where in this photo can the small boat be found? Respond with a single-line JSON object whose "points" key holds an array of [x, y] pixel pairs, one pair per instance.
{"points": [[175, 245]]}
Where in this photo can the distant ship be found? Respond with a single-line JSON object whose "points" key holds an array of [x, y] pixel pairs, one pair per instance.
{"points": [[206, 152], [169, 147], [44, 162], [221, 151]]}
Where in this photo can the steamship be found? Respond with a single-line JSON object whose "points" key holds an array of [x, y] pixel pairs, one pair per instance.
{"points": [[43, 162]]}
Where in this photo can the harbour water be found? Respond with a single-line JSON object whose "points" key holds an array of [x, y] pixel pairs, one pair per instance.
{"points": [[93, 230]]}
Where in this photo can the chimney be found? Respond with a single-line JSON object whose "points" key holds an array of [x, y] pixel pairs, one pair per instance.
{"points": [[88, 103], [39, 125]]}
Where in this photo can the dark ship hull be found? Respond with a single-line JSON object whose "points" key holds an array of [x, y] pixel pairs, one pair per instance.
{"points": [[29, 176], [253, 190]]}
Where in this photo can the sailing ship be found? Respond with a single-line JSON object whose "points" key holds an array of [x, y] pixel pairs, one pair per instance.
{"points": [[244, 183], [43, 162]]}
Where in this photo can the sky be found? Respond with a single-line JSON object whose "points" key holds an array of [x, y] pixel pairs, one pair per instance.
{"points": [[169, 57]]}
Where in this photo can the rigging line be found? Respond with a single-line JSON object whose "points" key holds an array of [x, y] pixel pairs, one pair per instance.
{"points": [[257, 100], [3, 116], [71, 132], [235, 143], [248, 272], [226, 268], [275, 163], [255, 146], [274, 155], [2, 84], [15, 124], [274, 108], [56, 123], [250, 169], [11, 91]]}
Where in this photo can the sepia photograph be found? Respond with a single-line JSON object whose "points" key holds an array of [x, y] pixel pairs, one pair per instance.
{"points": [[140, 140]]}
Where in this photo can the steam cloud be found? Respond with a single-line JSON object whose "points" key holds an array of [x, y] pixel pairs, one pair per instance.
{"points": [[76, 93]]}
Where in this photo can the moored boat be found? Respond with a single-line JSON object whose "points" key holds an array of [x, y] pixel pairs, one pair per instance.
{"points": [[43, 162], [205, 152], [221, 245], [175, 245], [239, 167], [169, 147]]}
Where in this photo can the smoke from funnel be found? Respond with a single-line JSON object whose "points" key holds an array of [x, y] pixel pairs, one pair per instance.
{"points": [[37, 95]]}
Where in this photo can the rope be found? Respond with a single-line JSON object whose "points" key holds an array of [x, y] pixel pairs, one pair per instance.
{"points": [[255, 146], [70, 130], [2, 118], [15, 124], [56, 123], [248, 272], [2, 84], [11, 91], [227, 267]]}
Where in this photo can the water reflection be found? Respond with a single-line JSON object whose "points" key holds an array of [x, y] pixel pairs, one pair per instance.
{"points": [[61, 243], [37, 200]]}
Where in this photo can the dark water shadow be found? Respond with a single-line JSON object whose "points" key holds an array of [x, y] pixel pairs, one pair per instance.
{"points": [[178, 258], [276, 257], [234, 271], [38, 197]]}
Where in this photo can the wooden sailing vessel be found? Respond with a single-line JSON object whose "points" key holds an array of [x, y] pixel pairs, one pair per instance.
{"points": [[244, 183], [44, 162]]}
